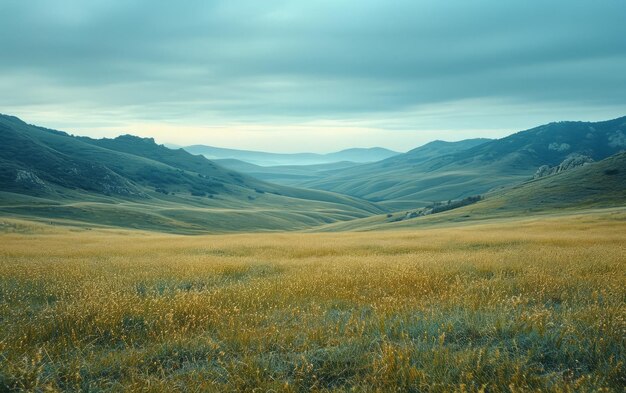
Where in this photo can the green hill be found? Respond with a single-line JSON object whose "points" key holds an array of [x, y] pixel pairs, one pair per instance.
{"points": [[593, 186], [57, 178], [133, 182], [293, 175], [407, 180], [442, 171]]}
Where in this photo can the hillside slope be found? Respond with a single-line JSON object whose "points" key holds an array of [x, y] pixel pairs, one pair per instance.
{"points": [[130, 181], [416, 178], [116, 167], [597, 185], [405, 180], [292, 175]]}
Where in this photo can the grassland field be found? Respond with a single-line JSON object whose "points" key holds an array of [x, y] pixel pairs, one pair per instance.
{"points": [[514, 305]]}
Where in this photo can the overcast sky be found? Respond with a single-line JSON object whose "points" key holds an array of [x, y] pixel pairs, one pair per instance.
{"points": [[311, 75]]}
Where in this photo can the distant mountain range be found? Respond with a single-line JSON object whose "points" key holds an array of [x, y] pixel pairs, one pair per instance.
{"points": [[304, 175], [359, 155], [52, 176]]}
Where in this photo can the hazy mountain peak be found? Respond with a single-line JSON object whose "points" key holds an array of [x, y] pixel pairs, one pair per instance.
{"points": [[359, 155], [366, 149]]}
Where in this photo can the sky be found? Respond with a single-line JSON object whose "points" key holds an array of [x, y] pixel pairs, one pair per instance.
{"points": [[293, 76]]}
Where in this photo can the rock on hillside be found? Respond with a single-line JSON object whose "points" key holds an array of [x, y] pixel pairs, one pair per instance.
{"points": [[572, 161]]}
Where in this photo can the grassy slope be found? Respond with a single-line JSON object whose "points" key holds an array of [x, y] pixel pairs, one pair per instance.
{"points": [[598, 185], [526, 305], [197, 164], [455, 171], [413, 178], [113, 182], [72, 162], [180, 215], [291, 175]]}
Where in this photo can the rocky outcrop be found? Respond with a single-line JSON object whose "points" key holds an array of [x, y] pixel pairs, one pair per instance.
{"points": [[572, 161], [29, 179], [110, 183]]}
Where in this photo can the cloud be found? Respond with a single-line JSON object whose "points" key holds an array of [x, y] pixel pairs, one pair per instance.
{"points": [[374, 64]]}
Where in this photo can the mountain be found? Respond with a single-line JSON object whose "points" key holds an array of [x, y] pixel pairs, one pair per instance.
{"points": [[133, 182], [442, 171], [360, 155], [596, 185]]}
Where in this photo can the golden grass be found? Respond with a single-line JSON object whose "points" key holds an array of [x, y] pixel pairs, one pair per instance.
{"points": [[513, 306]]}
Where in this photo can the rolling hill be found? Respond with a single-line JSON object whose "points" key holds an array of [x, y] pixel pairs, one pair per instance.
{"points": [[597, 185], [404, 181], [444, 170], [293, 175], [359, 155], [133, 182]]}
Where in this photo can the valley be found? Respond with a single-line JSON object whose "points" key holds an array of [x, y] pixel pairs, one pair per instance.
{"points": [[312, 196], [459, 266], [131, 182]]}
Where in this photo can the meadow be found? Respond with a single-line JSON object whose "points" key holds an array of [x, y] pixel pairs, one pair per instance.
{"points": [[515, 305]]}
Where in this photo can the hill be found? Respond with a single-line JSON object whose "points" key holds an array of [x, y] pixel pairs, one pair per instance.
{"points": [[597, 185], [359, 155], [293, 175], [130, 181], [442, 171], [403, 181]]}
